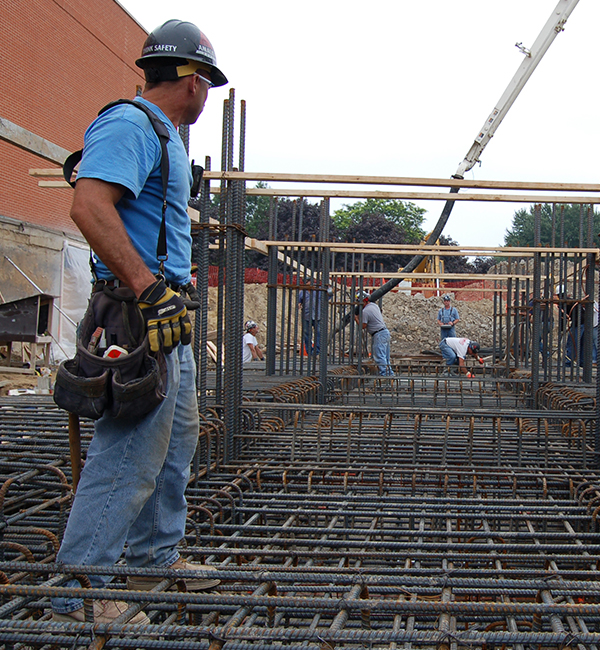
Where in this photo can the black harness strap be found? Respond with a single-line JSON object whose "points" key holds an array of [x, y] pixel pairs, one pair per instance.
{"points": [[163, 136]]}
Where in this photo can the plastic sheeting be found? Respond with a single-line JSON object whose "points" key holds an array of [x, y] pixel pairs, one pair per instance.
{"points": [[76, 284]]}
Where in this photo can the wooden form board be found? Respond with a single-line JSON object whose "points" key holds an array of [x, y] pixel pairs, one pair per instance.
{"points": [[412, 249], [406, 196], [592, 188], [403, 180], [33, 143], [378, 180]]}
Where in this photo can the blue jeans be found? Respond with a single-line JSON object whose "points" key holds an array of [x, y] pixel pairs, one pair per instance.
{"points": [[133, 483], [446, 332], [381, 352], [309, 326], [448, 353]]}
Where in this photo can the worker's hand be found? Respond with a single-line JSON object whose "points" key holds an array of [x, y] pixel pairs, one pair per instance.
{"points": [[480, 360], [166, 317], [192, 301]]}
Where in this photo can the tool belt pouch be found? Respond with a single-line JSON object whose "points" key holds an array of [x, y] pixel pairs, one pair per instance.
{"points": [[129, 386]]}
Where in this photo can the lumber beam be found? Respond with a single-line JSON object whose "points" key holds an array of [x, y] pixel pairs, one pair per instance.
{"points": [[414, 196], [377, 180], [401, 180], [433, 249], [35, 144], [408, 196]]}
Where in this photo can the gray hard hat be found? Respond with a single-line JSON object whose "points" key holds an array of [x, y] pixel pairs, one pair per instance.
{"points": [[175, 44]]}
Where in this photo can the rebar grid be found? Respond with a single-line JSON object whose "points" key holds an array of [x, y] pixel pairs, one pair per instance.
{"points": [[380, 530], [319, 563], [354, 440]]}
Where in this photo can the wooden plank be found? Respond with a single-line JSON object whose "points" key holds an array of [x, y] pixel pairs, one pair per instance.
{"points": [[411, 249], [401, 180], [415, 196], [471, 277], [377, 180], [31, 142], [407, 196]]}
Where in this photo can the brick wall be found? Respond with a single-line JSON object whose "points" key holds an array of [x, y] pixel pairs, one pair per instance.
{"points": [[62, 60]]}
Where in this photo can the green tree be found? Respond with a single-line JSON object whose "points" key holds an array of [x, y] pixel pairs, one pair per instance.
{"points": [[406, 216], [288, 224], [573, 219], [376, 229], [257, 212]]}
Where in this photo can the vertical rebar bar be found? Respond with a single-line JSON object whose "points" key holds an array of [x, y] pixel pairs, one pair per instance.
{"points": [[272, 290], [323, 296], [535, 302]]}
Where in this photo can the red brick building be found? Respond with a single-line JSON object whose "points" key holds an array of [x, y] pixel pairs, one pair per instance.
{"points": [[62, 60]]}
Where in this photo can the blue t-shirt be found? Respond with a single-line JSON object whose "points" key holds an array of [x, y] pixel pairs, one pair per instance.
{"points": [[121, 147]]}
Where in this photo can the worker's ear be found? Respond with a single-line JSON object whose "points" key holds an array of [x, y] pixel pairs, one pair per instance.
{"points": [[193, 83]]}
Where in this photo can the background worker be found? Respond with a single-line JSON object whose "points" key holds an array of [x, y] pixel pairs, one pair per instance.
{"points": [[310, 302], [251, 351], [447, 318], [455, 350], [132, 487], [372, 321], [576, 331]]}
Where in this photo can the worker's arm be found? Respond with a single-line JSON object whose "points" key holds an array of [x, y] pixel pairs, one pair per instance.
{"points": [[256, 352], [96, 216], [462, 367], [364, 325]]}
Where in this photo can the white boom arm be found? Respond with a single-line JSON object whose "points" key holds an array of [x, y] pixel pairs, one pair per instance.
{"points": [[551, 29]]}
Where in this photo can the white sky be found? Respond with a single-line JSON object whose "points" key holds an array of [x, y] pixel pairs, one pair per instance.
{"points": [[398, 88]]}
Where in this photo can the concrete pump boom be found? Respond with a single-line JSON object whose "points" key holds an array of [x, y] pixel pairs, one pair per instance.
{"points": [[554, 26]]}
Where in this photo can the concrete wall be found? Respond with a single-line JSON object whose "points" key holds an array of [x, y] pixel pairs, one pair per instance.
{"points": [[61, 62], [37, 251]]}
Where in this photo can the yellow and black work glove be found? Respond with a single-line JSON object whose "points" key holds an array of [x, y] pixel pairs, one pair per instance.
{"points": [[166, 317]]}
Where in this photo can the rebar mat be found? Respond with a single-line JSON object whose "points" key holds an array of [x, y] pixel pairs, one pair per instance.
{"points": [[331, 530]]}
